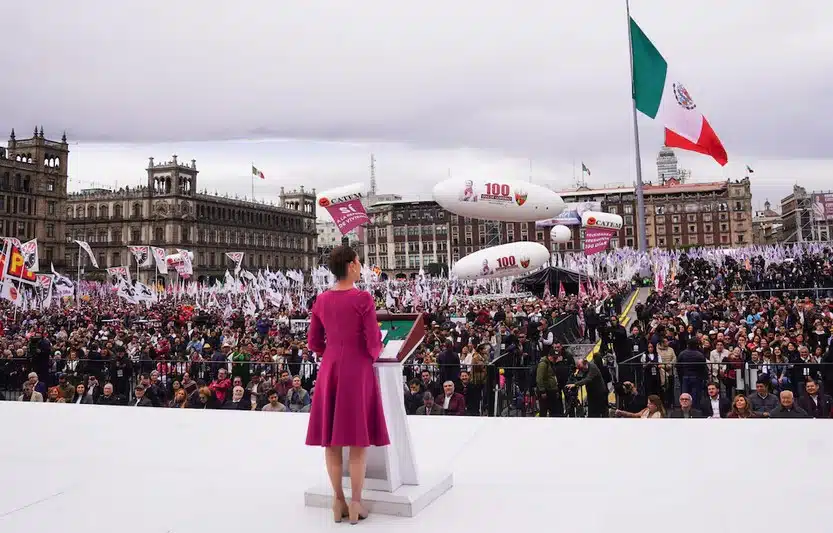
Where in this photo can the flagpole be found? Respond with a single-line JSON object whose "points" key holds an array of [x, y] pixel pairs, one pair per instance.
{"points": [[78, 279], [253, 182], [642, 238]]}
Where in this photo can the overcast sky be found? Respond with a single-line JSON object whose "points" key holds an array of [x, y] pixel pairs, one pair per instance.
{"points": [[308, 89]]}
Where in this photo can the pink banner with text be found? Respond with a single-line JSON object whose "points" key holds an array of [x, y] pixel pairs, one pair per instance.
{"points": [[596, 239], [348, 215]]}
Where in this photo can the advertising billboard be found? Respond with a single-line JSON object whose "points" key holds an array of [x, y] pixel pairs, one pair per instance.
{"points": [[823, 206]]}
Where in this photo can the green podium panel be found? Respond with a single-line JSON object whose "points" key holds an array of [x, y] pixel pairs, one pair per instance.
{"points": [[395, 330]]}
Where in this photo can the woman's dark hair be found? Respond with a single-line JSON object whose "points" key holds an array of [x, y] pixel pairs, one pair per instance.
{"points": [[340, 257]]}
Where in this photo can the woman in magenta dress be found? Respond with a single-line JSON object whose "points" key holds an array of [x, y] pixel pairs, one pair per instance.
{"points": [[347, 406]]}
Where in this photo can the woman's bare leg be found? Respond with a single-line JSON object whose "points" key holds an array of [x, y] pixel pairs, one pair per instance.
{"points": [[332, 456], [356, 463]]}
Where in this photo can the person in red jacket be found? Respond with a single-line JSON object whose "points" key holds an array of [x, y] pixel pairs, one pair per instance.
{"points": [[220, 386], [452, 403]]}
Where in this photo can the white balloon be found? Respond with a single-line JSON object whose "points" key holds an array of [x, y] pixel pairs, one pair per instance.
{"points": [[511, 259], [560, 234], [499, 199]]}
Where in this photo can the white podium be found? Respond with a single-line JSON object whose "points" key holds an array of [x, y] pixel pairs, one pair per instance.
{"points": [[393, 483]]}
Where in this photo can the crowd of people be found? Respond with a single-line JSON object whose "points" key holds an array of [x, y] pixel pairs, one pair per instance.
{"points": [[171, 354], [731, 339], [718, 337]]}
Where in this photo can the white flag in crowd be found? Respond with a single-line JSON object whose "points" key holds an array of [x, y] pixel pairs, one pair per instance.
{"points": [[30, 255], [159, 259], [86, 247], [142, 255]]}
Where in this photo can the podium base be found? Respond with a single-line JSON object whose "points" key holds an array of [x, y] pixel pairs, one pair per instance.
{"points": [[407, 500]]}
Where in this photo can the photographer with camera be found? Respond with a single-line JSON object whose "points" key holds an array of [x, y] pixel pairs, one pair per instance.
{"points": [[591, 377], [628, 398]]}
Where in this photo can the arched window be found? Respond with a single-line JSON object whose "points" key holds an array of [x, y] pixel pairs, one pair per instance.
{"points": [[104, 211], [79, 212], [69, 212], [159, 234], [91, 211], [137, 210], [117, 211]]}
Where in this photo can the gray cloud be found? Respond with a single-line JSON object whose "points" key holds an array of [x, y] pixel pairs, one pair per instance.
{"points": [[548, 81]]}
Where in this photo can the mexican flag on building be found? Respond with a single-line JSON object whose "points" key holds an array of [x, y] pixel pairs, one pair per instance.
{"points": [[662, 96], [257, 173]]}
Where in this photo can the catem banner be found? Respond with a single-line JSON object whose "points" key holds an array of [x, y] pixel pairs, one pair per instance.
{"points": [[344, 204]]}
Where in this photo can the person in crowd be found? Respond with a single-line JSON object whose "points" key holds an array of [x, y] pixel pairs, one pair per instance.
{"points": [[472, 392], [139, 398], [297, 398], [814, 402], [30, 394], [549, 393], [685, 410], [691, 365], [81, 395], [452, 402], [714, 405], [108, 396], [788, 408], [654, 409], [762, 401], [273, 405], [741, 408], [596, 388], [429, 407]]}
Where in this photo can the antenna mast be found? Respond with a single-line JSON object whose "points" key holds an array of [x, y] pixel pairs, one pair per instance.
{"points": [[372, 175]]}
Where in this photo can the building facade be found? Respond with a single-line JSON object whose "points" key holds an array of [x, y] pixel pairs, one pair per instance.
{"points": [[404, 236], [766, 225], [169, 212], [33, 192], [677, 214], [806, 216]]}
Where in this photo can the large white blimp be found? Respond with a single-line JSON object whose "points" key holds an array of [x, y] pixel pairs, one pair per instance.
{"points": [[340, 195], [504, 200], [596, 219], [511, 259], [560, 234]]}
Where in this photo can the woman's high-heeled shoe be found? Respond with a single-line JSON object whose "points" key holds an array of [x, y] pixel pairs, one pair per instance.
{"points": [[357, 512], [340, 510]]}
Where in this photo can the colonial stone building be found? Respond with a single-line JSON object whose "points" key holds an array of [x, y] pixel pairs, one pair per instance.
{"points": [[33, 190], [169, 212]]}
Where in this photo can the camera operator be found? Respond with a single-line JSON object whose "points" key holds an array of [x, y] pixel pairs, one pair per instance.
{"points": [[591, 377]]}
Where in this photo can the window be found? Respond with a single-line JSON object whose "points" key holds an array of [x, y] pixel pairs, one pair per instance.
{"points": [[707, 217], [708, 228], [661, 241], [50, 230], [628, 231], [692, 228], [50, 185], [135, 236], [629, 219], [159, 234], [661, 229], [660, 209], [627, 209], [117, 236], [115, 259], [629, 243], [613, 209], [539, 236], [709, 239], [50, 208], [675, 229], [675, 219], [691, 218]]}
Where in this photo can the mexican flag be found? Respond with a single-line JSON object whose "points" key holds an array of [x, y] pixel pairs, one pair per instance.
{"points": [[659, 94], [256, 173]]}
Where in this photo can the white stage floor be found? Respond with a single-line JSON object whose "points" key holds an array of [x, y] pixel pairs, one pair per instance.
{"points": [[90, 469]]}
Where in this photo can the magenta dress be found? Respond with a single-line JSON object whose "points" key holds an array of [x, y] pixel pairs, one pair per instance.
{"points": [[347, 404]]}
